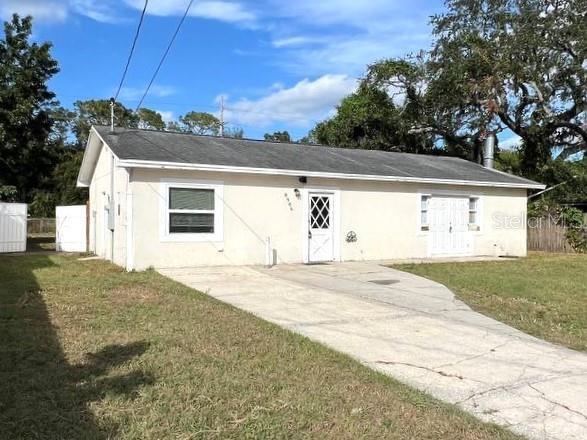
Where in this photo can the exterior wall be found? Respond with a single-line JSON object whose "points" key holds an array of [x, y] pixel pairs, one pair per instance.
{"points": [[100, 185], [255, 207], [121, 185], [503, 224], [108, 180], [383, 215]]}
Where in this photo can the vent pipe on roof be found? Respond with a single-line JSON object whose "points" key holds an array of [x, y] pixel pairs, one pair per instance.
{"points": [[112, 115], [489, 150]]}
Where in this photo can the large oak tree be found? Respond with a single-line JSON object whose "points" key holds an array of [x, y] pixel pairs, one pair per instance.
{"points": [[495, 65]]}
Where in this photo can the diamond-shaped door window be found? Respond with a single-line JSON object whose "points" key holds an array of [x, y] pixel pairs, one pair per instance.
{"points": [[319, 212]]}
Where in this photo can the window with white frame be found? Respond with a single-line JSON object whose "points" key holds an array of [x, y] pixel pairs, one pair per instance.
{"points": [[474, 213], [425, 213], [192, 212]]}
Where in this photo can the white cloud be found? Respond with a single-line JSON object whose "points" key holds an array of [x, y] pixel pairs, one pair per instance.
{"points": [[302, 104], [360, 14], [343, 36], [296, 41], [135, 93], [510, 143], [61, 10], [102, 11], [44, 10], [232, 12], [110, 11], [350, 54], [166, 115]]}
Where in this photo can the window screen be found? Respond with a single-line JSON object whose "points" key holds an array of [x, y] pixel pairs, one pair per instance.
{"points": [[473, 214], [194, 199], [473, 218], [191, 210], [424, 208], [191, 223]]}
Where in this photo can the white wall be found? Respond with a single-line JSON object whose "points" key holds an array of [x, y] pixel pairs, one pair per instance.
{"points": [[383, 215], [111, 246]]}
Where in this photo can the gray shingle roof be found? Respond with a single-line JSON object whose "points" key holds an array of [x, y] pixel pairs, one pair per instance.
{"points": [[159, 146]]}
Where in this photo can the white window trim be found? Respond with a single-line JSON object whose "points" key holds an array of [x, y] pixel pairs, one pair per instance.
{"points": [[165, 236], [479, 212], [419, 224]]}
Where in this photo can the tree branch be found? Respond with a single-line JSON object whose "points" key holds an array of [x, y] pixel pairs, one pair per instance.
{"points": [[570, 126], [570, 150]]}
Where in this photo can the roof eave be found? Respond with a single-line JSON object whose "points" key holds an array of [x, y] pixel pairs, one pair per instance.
{"points": [[90, 159], [283, 172]]}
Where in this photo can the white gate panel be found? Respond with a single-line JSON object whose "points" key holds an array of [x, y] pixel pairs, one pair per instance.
{"points": [[13, 223], [70, 228]]}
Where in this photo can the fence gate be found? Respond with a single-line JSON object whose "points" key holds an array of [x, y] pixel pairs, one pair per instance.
{"points": [[70, 228], [13, 220]]}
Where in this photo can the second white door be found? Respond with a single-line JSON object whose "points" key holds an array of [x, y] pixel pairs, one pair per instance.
{"points": [[449, 226]]}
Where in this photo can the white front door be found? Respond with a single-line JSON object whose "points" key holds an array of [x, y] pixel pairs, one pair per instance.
{"points": [[449, 226], [320, 227]]}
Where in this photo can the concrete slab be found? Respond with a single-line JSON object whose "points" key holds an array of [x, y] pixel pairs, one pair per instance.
{"points": [[416, 331]]}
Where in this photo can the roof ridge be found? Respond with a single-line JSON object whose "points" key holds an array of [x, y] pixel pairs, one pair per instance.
{"points": [[216, 151], [295, 144]]}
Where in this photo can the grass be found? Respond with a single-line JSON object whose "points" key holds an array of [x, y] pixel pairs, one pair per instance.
{"points": [[544, 295], [40, 242], [88, 351]]}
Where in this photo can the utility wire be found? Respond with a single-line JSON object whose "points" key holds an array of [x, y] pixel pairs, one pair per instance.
{"points": [[132, 49], [165, 54]]}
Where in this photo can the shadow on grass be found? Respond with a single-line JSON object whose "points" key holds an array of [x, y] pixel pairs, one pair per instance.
{"points": [[40, 243], [41, 394]]}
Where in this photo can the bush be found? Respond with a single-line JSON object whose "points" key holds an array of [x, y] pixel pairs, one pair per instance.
{"points": [[43, 205], [8, 193]]}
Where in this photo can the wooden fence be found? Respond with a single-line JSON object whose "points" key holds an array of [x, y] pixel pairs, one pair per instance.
{"points": [[547, 236], [41, 226]]}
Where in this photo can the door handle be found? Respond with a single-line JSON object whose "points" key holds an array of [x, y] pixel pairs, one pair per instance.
{"points": [[450, 229], [309, 234]]}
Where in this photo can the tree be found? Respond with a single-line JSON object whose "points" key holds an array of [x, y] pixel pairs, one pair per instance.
{"points": [[150, 119], [573, 175], [26, 152], [496, 65], [64, 179], [309, 139], [509, 161], [199, 123], [97, 112], [369, 119], [237, 133], [173, 126], [278, 136]]}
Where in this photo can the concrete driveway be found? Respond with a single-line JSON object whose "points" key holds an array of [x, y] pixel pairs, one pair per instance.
{"points": [[416, 331]]}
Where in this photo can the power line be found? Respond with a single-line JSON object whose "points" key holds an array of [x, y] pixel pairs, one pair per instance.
{"points": [[165, 54], [132, 49]]}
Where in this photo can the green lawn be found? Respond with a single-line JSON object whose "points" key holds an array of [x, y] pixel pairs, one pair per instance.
{"points": [[88, 351], [543, 295]]}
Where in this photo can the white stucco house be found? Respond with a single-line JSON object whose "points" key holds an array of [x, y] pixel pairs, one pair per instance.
{"points": [[161, 199]]}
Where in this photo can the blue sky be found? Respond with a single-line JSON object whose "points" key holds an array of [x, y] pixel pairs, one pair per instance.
{"points": [[279, 64]]}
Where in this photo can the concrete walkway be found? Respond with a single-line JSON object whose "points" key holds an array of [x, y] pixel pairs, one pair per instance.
{"points": [[416, 331]]}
